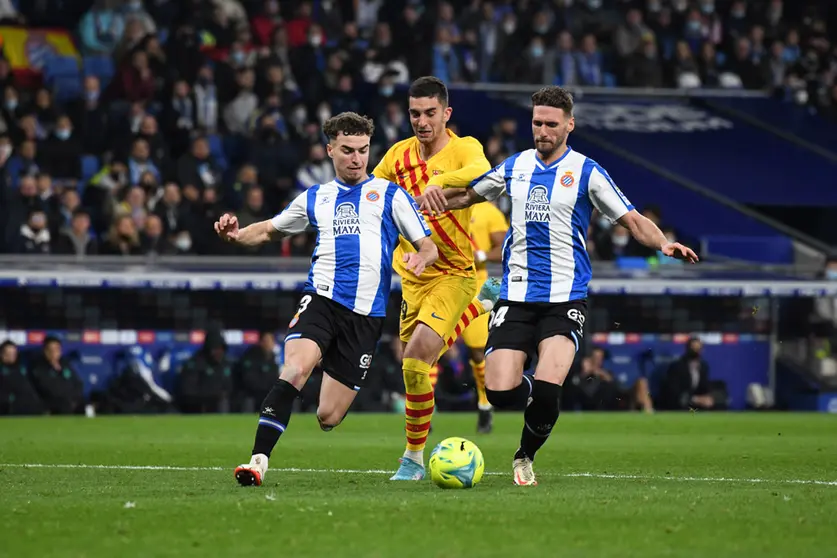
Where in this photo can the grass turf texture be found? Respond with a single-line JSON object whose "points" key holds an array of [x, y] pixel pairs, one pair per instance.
{"points": [[673, 509]]}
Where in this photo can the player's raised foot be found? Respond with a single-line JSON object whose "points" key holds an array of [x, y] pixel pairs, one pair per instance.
{"points": [[523, 473], [252, 474], [485, 421], [408, 471], [489, 293]]}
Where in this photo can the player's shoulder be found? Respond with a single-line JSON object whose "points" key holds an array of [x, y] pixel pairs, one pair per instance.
{"points": [[576, 157], [465, 142], [400, 146]]}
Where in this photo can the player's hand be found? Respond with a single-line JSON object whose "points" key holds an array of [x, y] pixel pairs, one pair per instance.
{"points": [[414, 263], [680, 252], [227, 227], [433, 200]]}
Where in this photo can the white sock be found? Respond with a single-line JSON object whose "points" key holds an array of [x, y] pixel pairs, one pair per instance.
{"points": [[417, 456]]}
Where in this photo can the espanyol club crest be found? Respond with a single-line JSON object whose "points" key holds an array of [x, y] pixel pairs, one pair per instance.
{"points": [[373, 196], [294, 321], [567, 180]]}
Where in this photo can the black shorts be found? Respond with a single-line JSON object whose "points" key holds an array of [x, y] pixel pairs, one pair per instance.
{"points": [[347, 340], [521, 326]]}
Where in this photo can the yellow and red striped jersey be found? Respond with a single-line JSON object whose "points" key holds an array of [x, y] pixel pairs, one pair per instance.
{"points": [[456, 165]]}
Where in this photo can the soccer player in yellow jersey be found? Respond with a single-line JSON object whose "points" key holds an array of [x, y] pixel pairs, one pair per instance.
{"points": [[445, 294], [488, 228]]}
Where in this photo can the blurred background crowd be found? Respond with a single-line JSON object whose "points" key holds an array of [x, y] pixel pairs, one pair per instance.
{"points": [[182, 109]]}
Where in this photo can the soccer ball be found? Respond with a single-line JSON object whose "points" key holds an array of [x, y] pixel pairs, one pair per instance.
{"points": [[456, 463]]}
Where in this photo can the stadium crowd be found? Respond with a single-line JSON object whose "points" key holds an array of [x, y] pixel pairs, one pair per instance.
{"points": [[186, 109]]}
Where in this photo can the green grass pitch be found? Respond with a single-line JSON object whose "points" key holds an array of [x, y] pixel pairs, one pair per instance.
{"points": [[611, 485]]}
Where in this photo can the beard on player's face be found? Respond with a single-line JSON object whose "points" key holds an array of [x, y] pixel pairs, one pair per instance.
{"points": [[547, 145]]}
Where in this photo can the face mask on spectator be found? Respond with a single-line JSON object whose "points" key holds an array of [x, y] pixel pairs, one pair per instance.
{"points": [[315, 40], [183, 242], [5, 150], [299, 115], [707, 7], [680, 5], [537, 51], [655, 6], [387, 90], [831, 274], [238, 57], [541, 28], [737, 13], [11, 104], [594, 4], [63, 134], [91, 95], [509, 27], [694, 26], [134, 5], [620, 241]]}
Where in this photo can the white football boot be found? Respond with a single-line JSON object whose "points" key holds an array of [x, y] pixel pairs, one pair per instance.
{"points": [[252, 474], [523, 473]]}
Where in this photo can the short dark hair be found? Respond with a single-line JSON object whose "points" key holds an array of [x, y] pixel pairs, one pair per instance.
{"points": [[348, 124], [553, 96], [49, 339], [429, 86]]}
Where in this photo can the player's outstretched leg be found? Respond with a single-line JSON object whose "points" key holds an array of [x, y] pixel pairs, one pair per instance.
{"points": [[275, 412], [420, 403], [555, 358]]}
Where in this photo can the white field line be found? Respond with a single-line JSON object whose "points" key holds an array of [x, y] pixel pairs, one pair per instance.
{"points": [[607, 476]]}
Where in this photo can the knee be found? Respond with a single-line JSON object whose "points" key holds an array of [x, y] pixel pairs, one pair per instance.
{"points": [[477, 355], [328, 419], [294, 374]]}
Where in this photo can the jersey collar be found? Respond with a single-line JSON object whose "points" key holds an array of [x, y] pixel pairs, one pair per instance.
{"points": [[345, 186], [555, 163]]}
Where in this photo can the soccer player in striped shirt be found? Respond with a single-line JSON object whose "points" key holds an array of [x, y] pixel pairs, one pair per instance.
{"points": [[446, 295], [358, 219], [546, 268]]}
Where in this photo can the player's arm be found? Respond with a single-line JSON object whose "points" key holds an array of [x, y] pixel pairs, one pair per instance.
{"points": [[612, 203], [294, 219], [411, 225], [474, 165], [489, 186], [469, 153]]}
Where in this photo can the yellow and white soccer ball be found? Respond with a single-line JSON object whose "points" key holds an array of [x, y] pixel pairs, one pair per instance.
{"points": [[456, 463]]}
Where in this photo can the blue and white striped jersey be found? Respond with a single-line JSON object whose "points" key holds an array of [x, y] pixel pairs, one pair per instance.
{"points": [[357, 231], [545, 251]]}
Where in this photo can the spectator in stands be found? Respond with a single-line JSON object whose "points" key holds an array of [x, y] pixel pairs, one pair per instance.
{"points": [[61, 153], [152, 239], [56, 381], [686, 383], [101, 29], [237, 112], [34, 235], [197, 167], [135, 82], [76, 239], [23, 162], [17, 394], [684, 69], [205, 381], [122, 239], [316, 169], [256, 371], [631, 35], [601, 390], [643, 67]]}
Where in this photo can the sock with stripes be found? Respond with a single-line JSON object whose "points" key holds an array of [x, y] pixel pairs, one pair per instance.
{"points": [[274, 416], [539, 419], [420, 403], [434, 375], [478, 369], [474, 311]]}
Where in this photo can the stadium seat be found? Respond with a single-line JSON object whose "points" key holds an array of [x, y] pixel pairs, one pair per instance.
{"points": [[100, 66], [89, 167], [62, 75]]}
